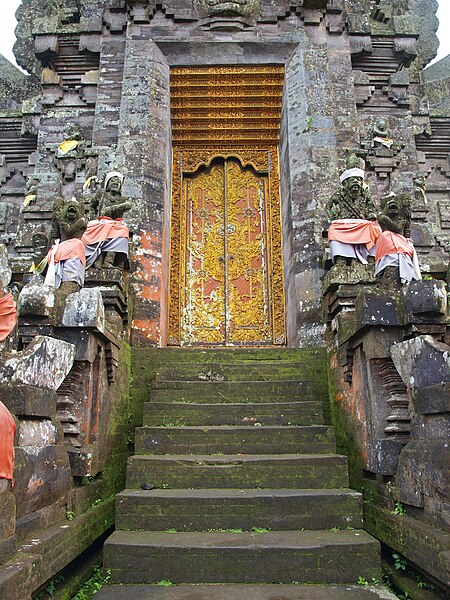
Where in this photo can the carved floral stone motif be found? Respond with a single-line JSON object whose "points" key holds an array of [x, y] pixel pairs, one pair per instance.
{"points": [[223, 8]]}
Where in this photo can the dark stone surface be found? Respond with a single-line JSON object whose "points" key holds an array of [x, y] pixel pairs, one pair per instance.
{"points": [[422, 361], [7, 515], [200, 510], [378, 308], [423, 475], [420, 543], [28, 400], [432, 399], [137, 557], [425, 297], [386, 453], [251, 592], [42, 476]]}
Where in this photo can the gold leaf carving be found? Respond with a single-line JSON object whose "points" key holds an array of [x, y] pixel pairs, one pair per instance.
{"points": [[226, 270]]}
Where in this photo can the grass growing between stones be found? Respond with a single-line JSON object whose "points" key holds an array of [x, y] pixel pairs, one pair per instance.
{"points": [[90, 587]]}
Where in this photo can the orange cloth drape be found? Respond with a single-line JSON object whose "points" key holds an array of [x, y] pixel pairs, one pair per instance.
{"points": [[7, 433], [73, 248], [393, 243], [354, 231], [104, 228], [8, 316]]}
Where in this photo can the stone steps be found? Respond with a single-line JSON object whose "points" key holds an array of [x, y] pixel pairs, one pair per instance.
{"points": [[206, 509], [224, 557], [165, 356], [247, 439], [247, 591], [263, 371], [235, 480], [269, 413], [234, 391], [291, 471]]}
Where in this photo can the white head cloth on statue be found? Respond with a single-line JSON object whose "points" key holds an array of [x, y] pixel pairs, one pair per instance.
{"points": [[112, 174], [351, 173]]}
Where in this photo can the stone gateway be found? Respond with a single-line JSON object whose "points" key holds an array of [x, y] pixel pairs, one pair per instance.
{"points": [[243, 207]]}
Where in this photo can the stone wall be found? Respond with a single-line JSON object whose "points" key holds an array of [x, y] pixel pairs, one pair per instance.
{"points": [[389, 372], [68, 391]]}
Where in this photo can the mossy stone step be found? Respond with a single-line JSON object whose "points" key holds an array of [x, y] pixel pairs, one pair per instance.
{"points": [[236, 391], [247, 591], [143, 357], [282, 556], [291, 471], [247, 439], [267, 413], [201, 510], [241, 371]]}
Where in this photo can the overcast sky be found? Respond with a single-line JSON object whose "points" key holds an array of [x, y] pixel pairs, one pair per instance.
{"points": [[8, 24]]}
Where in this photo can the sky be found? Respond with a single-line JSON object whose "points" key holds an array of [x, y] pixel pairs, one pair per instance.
{"points": [[8, 24]]}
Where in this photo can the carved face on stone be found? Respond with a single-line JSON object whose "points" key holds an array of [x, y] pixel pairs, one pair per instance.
{"points": [[114, 185], [353, 186], [39, 240], [227, 8], [72, 211], [398, 206]]}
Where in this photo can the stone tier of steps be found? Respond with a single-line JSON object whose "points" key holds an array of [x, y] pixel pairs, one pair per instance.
{"points": [[235, 487]]}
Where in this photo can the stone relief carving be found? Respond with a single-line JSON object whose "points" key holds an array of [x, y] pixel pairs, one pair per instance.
{"points": [[227, 8]]}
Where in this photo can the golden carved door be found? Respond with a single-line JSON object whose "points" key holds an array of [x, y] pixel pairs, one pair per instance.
{"points": [[226, 267]]}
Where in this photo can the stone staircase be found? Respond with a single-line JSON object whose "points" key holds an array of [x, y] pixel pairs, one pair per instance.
{"points": [[235, 487]]}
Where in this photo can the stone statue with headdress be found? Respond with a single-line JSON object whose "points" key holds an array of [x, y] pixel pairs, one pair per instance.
{"points": [[353, 229], [106, 236]]}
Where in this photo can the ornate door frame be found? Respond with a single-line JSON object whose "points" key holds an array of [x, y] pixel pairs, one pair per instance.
{"points": [[229, 113], [187, 163]]}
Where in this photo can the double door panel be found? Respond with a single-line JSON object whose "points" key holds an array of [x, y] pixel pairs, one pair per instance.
{"points": [[225, 246]]}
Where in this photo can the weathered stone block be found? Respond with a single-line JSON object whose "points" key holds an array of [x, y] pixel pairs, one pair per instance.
{"points": [[5, 271], [432, 399], [385, 456], [85, 309], [7, 548], [84, 461], [425, 297], [36, 298], [45, 363], [342, 274], [28, 400], [422, 361], [378, 307], [42, 476], [7, 514], [423, 475], [37, 433]]}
